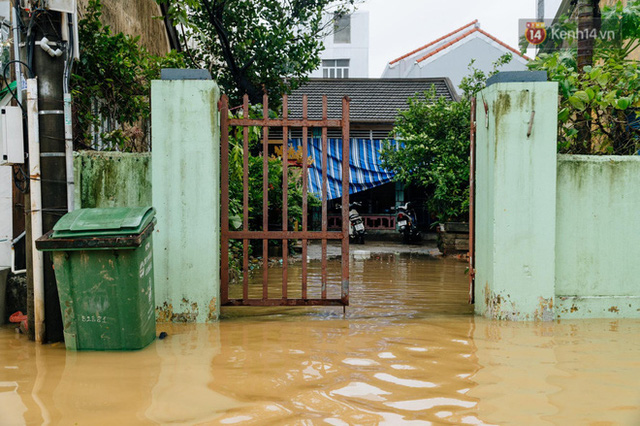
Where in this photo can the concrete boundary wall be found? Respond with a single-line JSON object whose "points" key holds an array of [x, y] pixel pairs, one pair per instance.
{"points": [[516, 203], [557, 236], [598, 236], [186, 195], [112, 179]]}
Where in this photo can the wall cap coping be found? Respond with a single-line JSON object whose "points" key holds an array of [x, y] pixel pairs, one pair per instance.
{"points": [[574, 158]]}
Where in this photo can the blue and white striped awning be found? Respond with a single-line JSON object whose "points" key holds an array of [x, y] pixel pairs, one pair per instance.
{"points": [[365, 171]]}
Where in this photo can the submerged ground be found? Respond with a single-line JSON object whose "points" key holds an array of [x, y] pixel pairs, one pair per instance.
{"points": [[408, 351]]}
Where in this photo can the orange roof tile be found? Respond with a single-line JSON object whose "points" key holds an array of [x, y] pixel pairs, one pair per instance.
{"points": [[517, 52], [466, 34], [433, 42]]}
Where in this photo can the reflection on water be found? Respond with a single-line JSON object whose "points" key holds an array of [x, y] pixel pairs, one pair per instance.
{"points": [[408, 351]]}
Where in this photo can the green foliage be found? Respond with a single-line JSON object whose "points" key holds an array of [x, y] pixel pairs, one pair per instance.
{"points": [[597, 105], [477, 78], [255, 176], [111, 84], [435, 153], [252, 46], [274, 184], [623, 21]]}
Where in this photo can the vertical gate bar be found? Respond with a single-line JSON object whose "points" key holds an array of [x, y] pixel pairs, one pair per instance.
{"points": [[472, 188], [304, 196], [245, 197], [285, 195], [324, 198], [224, 202], [265, 198], [345, 200]]}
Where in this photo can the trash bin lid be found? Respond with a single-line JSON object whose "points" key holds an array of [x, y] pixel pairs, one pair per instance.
{"points": [[111, 221]]}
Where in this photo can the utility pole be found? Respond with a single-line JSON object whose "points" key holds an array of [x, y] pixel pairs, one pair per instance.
{"points": [[50, 70], [44, 54], [540, 13], [539, 18]]}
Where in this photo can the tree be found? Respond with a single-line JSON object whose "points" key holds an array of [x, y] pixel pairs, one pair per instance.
{"points": [[255, 46], [111, 84], [434, 150], [434, 155], [588, 25], [598, 111]]}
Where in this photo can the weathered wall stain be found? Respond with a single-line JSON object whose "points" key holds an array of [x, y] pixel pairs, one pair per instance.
{"points": [[545, 310], [100, 178], [188, 312], [501, 307], [213, 310]]}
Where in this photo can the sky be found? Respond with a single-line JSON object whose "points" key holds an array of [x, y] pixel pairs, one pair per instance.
{"points": [[399, 26]]}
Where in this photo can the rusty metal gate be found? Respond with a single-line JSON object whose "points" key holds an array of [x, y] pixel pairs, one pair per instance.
{"points": [[285, 234], [472, 203]]}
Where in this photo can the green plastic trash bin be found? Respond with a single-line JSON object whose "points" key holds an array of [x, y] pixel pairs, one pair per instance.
{"points": [[103, 261]]}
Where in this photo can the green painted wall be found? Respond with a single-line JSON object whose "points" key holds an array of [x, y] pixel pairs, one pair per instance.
{"points": [[516, 203], [186, 195], [598, 236], [112, 179]]}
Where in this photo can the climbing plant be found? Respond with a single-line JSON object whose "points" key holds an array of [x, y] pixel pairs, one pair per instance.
{"points": [[110, 86]]}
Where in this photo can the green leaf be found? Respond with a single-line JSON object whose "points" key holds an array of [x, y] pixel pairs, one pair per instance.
{"points": [[582, 95], [603, 79], [571, 132], [563, 115], [235, 221], [590, 93], [577, 103], [622, 103]]}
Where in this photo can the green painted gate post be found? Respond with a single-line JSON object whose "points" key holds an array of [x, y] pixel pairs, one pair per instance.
{"points": [[516, 200], [186, 194]]}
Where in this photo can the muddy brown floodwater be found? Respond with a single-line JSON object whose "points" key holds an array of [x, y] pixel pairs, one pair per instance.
{"points": [[408, 351]]}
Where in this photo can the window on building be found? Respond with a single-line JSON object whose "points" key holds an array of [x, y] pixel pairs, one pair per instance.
{"points": [[335, 68], [342, 29]]}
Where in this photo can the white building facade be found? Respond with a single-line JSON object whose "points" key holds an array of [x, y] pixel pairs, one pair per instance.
{"points": [[346, 47], [450, 55]]}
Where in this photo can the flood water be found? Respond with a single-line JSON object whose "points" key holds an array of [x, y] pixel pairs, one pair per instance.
{"points": [[408, 351]]}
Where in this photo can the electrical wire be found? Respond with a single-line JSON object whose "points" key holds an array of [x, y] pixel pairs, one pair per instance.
{"points": [[31, 40], [20, 178], [6, 83]]}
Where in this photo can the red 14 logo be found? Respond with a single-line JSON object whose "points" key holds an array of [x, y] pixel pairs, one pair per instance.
{"points": [[535, 33]]}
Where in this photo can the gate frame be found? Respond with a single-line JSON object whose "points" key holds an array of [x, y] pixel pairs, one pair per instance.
{"points": [[472, 201], [265, 235]]}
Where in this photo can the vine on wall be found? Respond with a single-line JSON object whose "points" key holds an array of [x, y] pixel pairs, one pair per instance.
{"points": [[111, 84]]}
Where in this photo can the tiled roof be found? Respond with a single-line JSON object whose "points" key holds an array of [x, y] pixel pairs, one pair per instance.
{"points": [[433, 42], [372, 100], [466, 34]]}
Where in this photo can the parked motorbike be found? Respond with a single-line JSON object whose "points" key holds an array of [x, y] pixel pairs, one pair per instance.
{"points": [[356, 224], [406, 223]]}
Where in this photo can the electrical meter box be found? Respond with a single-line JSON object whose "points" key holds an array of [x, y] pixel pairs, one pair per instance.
{"points": [[11, 137]]}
